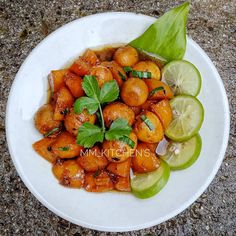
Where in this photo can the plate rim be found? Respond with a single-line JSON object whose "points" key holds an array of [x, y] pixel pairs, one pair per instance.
{"points": [[138, 226]]}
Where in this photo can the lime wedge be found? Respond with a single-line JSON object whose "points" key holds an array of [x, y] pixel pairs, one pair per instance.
{"points": [[183, 77], [182, 155], [148, 184], [188, 115]]}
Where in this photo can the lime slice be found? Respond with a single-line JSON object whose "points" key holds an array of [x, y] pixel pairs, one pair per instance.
{"points": [[183, 77], [188, 115], [182, 155], [148, 184]]}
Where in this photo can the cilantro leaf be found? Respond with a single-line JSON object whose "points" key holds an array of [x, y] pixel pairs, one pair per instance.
{"points": [[90, 87], [86, 103], [89, 134], [109, 92], [118, 129]]}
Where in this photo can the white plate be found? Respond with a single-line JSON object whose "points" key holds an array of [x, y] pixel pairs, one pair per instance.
{"points": [[109, 211]]}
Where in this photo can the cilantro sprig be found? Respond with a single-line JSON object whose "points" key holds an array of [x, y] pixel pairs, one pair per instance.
{"points": [[89, 134]]}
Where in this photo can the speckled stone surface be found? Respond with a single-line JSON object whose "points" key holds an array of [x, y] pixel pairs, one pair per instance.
{"points": [[23, 24]]}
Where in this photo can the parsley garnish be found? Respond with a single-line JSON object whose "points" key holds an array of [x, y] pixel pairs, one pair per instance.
{"points": [[89, 134]]}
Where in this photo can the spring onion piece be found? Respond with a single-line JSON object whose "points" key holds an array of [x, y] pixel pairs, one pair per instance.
{"points": [[155, 90], [66, 148], [122, 76], [54, 130], [127, 69], [97, 173], [141, 74], [147, 122], [128, 141]]}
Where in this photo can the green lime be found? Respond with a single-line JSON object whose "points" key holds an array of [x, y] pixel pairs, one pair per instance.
{"points": [[183, 77], [182, 155], [188, 115], [148, 184]]}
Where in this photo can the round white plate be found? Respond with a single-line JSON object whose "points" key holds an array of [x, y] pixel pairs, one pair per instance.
{"points": [[109, 211]]}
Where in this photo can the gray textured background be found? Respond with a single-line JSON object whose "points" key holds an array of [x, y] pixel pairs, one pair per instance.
{"points": [[23, 24]]}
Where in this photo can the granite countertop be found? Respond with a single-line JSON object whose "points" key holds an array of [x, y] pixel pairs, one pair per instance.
{"points": [[23, 24]]}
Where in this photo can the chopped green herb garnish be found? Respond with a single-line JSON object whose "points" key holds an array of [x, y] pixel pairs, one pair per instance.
{"points": [[147, 122], [127, 69], [128, 141], [66, 148], [122, 76], [54, 130], [156, 89], [141, 74], [96, 173], [66, 111]]}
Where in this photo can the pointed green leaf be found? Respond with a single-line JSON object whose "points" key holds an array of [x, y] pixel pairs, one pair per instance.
{"points": [[166, 37]]}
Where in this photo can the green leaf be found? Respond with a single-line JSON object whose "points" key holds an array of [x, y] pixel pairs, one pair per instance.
{"points": [[147, 122], [166, 37], [90, 87], [156, 89], [109, 92], [128, 141], [118, 129], [89, 134], [86, 103]]}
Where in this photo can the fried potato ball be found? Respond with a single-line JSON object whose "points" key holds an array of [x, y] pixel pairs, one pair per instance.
{"points": [[73, 121], [92, 160], [121, 169], [144, 160], [119, 151], [98, 182], [134, 92], [102, 74], [117, 110], [148, 66], [117, 71], [69, 173], [44, 121], [126, 56], [44, 148], [136, 110], [65, 146], [143, 130], [163, 90], [163, 110]]}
